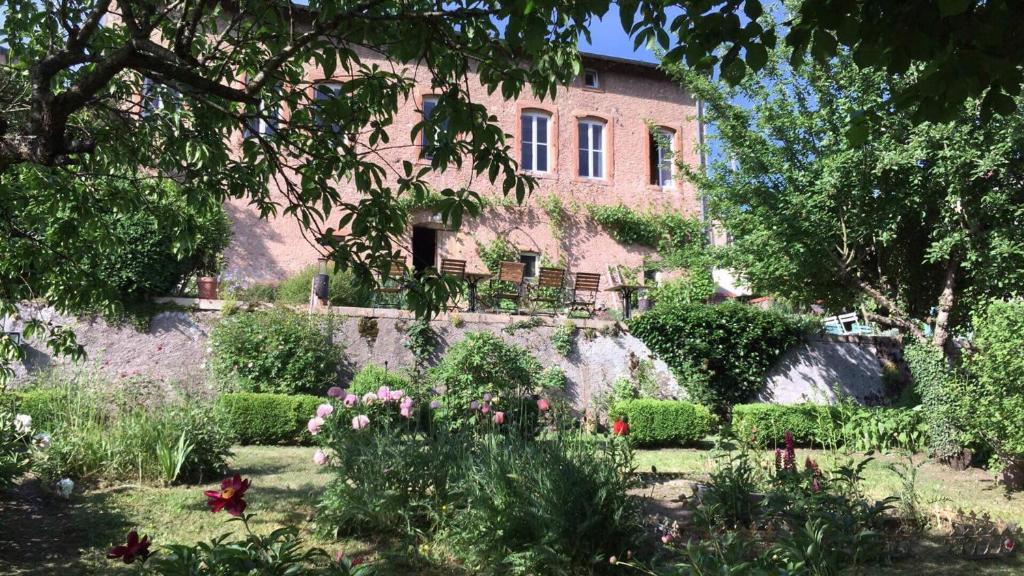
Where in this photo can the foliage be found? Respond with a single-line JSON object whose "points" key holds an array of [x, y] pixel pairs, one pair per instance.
{"points": [[996, 395], [15, 442], [421, 340], [879, 220], [274, 350], [729, 347], [482, 363], [372, 377], [664, 422], [679, 240], [564, 338], [267, 419], [496, 251], [696, 286], [940, 388], [343, 290], [844, 424], [97, 435]]}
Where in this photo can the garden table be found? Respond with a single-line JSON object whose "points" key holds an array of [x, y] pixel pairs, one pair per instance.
{"points": [[472, 279], [626, 291]]}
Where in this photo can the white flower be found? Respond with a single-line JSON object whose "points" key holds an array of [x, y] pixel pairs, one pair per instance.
{"points": [[42, 440], [64, 487], [22, 423]]}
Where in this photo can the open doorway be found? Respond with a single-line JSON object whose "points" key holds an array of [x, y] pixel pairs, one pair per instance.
{"points": [[424, 248]]}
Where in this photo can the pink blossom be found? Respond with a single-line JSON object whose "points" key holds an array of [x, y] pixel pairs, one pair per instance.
{"points": [[474, 405], [485, 408], [335, 392], [543, 405], [435, 404], [384, 393], [369, 398], [499, 418], [487, 397], [324, 410], [350, 400], [405, 409], [667, 538], [314, 425], [397, 395], [360, 422], [319, 458]]}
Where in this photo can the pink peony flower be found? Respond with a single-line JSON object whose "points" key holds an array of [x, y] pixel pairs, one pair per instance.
{"points": [[324, 410], [485, 408], [319, 458], [474, 405], [499, 418], [667, 538], [384, 393], [369, 398], [360, 422], [314, 425], [350, 400], [543, 405], [487, 397], [335, 392], [396, 395]]}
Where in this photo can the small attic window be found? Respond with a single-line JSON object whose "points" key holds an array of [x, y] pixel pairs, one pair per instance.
{"points": [[590, 79]]}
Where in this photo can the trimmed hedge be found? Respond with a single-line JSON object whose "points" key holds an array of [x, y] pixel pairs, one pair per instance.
{"points": [[664, 422], [268, 419], [767, 424]]}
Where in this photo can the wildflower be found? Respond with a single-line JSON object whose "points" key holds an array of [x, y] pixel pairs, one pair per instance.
{"points": [[789, 456], [474, 405], [350, 400], [424, 549], [778, 460], [64, 487], [1009, 544], [229, 497], [324, 410], [320, 458], [134, 548], [405, 409], [485, 408], [620, 428], [499, 418], [543, 405], [360, 422], [812, 466], [42, 440], [435, 404], [384, 393], [22, 423], [369, 398], [314, 425], [487, 397], [396, 395], [335, 392], [815, 485]]}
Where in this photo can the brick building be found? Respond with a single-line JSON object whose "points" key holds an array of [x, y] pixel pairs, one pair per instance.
{"points": [[591, 145]]}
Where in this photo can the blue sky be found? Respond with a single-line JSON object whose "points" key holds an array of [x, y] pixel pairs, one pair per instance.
{"points": [[608, 39]]}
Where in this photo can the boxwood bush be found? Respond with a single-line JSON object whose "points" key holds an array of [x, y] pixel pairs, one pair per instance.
{"points": [[274, 350], [721, 352], [268, 419], [664, 422]]}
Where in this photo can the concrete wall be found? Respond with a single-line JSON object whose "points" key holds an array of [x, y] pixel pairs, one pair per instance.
{"points": [[631, 95]]}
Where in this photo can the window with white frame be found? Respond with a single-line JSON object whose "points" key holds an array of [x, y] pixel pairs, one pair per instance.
{"points": [[592, 148], [428, 136], [151, 97], [324, 93], [662, 155], [535, 145], [591, 79], [264, 121]]}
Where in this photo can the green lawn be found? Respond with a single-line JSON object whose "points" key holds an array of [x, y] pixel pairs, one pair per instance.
{"points": [[42, 536]]}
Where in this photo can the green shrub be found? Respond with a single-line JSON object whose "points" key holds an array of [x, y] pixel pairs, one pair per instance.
{"points": [[372, 377], [940, 388], [482, 363], [276, 351], [731, 345], [564, 338], [268, 419], [767, 424], [996, 395], [664, 422], [95, 436], [343, 289], [846, 424]]}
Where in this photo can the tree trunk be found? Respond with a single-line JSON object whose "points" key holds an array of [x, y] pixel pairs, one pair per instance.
{"points": [[941, 336]]}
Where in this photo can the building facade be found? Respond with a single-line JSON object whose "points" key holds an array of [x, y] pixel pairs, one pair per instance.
{"points": [[608, 139]]}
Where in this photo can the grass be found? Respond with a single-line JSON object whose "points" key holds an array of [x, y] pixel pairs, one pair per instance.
{"points": [[45, 536]]}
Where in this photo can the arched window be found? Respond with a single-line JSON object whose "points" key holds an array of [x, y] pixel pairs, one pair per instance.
{"points": [[535, 139]]}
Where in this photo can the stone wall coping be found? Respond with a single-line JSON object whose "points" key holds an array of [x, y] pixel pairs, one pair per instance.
{"points": [[393, 313]]}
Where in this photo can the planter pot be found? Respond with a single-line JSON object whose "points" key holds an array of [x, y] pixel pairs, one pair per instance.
{"points": [[207, 287], [322, 287]]}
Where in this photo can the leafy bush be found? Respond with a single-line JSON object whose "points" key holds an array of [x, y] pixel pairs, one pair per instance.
{"points": [[267, 419], [996, 395], [697, 286], [274, 350], [95, 437], [14, 443], [846, 424], [343, 289], [564, 338], [664, 422], [939, 387], [372, 377], [731, 345], [483, 364]]}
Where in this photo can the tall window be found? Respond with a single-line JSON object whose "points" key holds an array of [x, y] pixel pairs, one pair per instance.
{"points": [[265, 121], [428, 137], [529, 260], [592, 153], [534, 146], [662, 156], [324, 93]]}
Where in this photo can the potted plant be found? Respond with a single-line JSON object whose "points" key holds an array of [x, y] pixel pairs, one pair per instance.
{"points": [[208, 283]]}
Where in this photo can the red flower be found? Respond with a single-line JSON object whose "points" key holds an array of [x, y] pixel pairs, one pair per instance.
{"points": [[229, 497], [1009, 544], [620, 428], [133, 549]]}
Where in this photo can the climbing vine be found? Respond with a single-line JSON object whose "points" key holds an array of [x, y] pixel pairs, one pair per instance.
{"points": [[555, 210]]}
